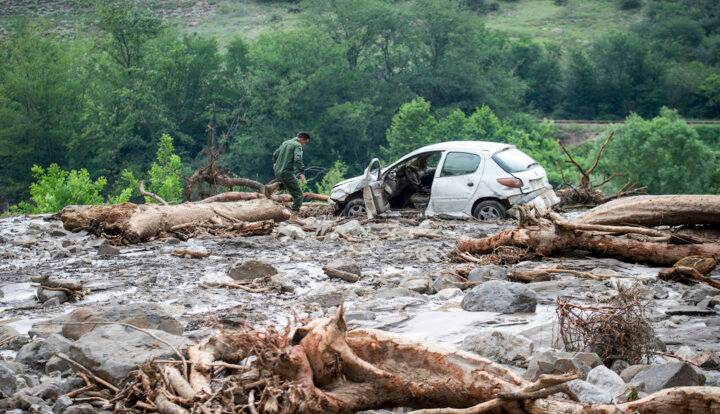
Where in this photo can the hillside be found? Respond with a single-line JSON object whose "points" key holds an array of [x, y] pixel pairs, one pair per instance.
{"points": [[578, 21]]}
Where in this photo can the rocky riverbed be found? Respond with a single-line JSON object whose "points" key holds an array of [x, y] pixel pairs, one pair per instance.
{"points": [[406, 288]]}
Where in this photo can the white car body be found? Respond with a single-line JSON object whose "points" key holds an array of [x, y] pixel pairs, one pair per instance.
{"points": [[457, 195]]}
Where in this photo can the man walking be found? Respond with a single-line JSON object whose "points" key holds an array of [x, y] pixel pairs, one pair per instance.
{"points": [[287, 162]]}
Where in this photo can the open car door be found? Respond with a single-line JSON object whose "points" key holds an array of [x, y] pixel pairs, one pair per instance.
{"points": [[373, 192]]}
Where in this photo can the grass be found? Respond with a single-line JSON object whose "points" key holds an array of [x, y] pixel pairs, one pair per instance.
{"points": [[579, 22]]}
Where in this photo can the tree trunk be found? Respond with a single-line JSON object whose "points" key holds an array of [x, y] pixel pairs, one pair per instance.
{"points": [[133, 223], [662, 210]]}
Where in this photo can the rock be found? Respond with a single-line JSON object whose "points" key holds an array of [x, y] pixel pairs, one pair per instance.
{"points": [[672, 374], [558, 362], [46, 391], [251, 269], [39, 351], [448, 293], [292, 231], [392, 293], [349, 267], [359, 316], [58, 233], [685, 352], [352, 228], [607, 380], [108, 250], [628, 373], [61, 404], [500, 296], [56, 364], [502, 347], [83, 408], [448, 280], [419, 284], [707, 360], [8, 382], [112, 351], [698, 292], [327, 299], [660, 292], [588, 393], [46, 328], [485, 273], [142, 315], [11, 338], [45, 295], [619, 365], [689, 310]]}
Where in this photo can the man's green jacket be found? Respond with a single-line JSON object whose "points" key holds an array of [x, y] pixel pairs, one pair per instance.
{"points": [[288, 158]]}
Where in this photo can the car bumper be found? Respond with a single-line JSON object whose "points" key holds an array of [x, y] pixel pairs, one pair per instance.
{"points": [[542, 199]]}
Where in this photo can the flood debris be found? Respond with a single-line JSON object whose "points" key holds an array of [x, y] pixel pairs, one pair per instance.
{"points": [[190, 253], [341, 274], [69, 290], [691, 270]]}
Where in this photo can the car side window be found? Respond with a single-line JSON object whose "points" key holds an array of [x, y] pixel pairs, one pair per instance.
{"points": [[459, 163]]}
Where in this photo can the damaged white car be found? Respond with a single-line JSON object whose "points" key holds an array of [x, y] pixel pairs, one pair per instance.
{"points": [[459, 179]]}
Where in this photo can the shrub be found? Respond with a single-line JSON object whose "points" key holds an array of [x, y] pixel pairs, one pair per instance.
{"points": [[334, 175], [55, 188], [165, 174]]}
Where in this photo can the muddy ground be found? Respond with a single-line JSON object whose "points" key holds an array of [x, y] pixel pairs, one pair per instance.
{"points": [[394, 255]]}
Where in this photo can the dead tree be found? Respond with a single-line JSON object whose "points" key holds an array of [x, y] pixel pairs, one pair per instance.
{"points": [[323, 368], [657, 210]]}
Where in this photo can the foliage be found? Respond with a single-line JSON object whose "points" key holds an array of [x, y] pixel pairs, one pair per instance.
{"points": [[55, 188], [334, 175], [165, 174], [663, 154]]}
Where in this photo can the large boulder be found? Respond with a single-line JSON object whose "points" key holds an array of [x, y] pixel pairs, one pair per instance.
{"points": [[558, 362], [11, 338], [500, 296], [112, 351], [697, 293], [607, 380], [488, 272], [672, 374], [588, 393], [629, 373], [8, 382], [141, 315], [45, 295], [499, 346], [249, 270]]}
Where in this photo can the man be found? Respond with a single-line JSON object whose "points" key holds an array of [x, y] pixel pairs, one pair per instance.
{"points": [[288, 162]]}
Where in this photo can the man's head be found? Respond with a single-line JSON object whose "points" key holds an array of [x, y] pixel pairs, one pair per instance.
{"points": [[303, 137]]}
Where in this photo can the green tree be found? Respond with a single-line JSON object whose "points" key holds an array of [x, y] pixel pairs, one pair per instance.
{"points": [[412, 127], [55, 188], [165, 174], [663, 154], [333, 176]]}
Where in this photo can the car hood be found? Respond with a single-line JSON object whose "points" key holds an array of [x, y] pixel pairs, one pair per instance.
{"points": [[344, 188]]}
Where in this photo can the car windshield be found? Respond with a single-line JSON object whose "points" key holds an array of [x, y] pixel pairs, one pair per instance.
{"points": [[513, 160]]}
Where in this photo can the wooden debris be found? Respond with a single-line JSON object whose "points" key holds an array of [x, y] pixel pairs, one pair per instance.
{"points": [[691, 270], [154, 196], [543, 274], [190, 253], [74, 290], [341, 274]]}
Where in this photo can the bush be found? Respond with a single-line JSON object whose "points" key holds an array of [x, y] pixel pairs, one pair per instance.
{"points": [[165, 174], [334, 175], [56, 188]]}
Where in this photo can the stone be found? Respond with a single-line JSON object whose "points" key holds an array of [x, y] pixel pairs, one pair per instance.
{"points": [[448, 280], [292, 231], [660, 292], [448, 293], [698, 292], [83, 408], [251, 269], [488, 272], [607, 380], [418, 284], [11, 338], [671, 374], [588, 393], [45, 295], [359, 316], [61, 404], [58, 233], [46, 328], [502, 347], [112, 351], [327, 299], [8, 381], [685, 352], [143, 315], [108, 250], [628, 373], [707, 360], [500, 296], [619, 365], [558, 362], [392, 293], [689, 310], [56, 364], [349, 267], [352, 228], [39, 351]]}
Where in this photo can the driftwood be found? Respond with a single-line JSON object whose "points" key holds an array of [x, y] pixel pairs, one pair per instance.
{"points": [[133, 223], [543, 274], [74, 290], [547, 237], [323, 368], [190, 253], [661, 210], [240, 196], [154, 196], [341, 274], [691, 270]]}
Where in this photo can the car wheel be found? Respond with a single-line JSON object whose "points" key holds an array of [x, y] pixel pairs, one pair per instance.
{"points": [[354, 208], [489, 210]]}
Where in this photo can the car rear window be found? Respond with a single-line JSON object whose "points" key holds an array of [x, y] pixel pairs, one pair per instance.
{"points": [[460, 163], [513, 160]]}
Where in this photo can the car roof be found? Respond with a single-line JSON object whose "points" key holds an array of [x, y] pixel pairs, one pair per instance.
{"points": [[491, 147]]}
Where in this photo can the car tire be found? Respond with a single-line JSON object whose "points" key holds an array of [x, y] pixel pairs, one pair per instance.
{"points": [[354, 208], [489, 210]]}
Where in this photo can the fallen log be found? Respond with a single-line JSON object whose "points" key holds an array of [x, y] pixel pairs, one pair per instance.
{"points": [[659, 210], [190, 253], [541, 275], [323, 368], [341, 274], [241, 196], [133, 223], [691, 270]]}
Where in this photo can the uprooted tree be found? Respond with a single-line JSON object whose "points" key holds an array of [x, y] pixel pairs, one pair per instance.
{"points": [[323, 368], [620, 234]]}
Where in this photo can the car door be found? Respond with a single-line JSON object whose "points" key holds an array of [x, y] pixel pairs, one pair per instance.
{"points": [[456, 182]]}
